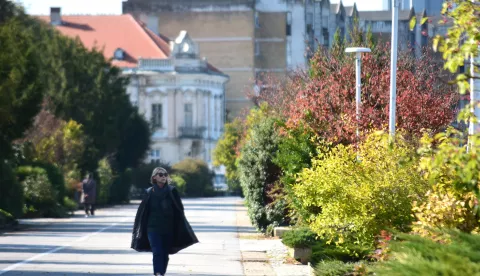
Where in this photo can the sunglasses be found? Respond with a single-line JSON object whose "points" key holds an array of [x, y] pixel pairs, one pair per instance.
{"points": [[162, 174]]}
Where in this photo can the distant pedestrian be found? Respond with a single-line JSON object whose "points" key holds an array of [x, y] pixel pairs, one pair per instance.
{"points": [[89, 194], [160, 225]]}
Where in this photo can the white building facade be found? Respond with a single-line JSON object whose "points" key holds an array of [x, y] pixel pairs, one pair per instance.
{"points": [[183, 97]]}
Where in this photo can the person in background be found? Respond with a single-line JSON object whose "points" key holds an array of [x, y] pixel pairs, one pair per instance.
{"points": [[160, 225], [89, 194]]}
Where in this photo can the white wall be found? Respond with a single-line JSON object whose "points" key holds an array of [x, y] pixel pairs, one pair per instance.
{"points": [[363, 5], [298, 37], [189, 89], [271, 5]]}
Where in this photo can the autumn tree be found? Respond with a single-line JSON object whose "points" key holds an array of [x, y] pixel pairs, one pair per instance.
{"points": [[226, 153]]}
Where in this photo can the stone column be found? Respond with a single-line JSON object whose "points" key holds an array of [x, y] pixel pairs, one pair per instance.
{"points": [[211, 117], [171, 93], [180, 110], [206, 118], [218, 115]]}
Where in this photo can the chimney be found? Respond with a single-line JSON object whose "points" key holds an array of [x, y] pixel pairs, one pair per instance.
{"points": [[55, 16]]}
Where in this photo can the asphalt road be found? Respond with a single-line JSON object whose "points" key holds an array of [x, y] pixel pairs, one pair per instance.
{"points": [[100, 245]]}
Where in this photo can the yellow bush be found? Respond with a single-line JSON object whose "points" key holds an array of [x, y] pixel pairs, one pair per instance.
{"points": [[453, 170], [357, 197]]}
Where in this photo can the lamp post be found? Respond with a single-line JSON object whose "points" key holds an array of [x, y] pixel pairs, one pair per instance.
{"points": [[474, 98], [358, 62], [393, 69]]}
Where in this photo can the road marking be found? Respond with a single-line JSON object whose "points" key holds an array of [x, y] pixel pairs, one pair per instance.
{"points": [[12, 267]]}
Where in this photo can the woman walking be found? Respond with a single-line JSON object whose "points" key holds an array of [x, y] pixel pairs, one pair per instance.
{"points": [[160, 224]]}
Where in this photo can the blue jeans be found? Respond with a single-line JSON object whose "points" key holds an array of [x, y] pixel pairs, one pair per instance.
{"points": [[160, 243]]}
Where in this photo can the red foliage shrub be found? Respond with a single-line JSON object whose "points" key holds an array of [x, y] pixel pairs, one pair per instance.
{"points": [[325, 100]]}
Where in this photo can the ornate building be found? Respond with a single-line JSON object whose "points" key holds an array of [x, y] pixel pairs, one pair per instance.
{"points": [[178, 92]]}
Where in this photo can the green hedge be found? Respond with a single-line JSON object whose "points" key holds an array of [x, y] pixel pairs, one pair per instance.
{"points": [[55, 176], [414, 255], [339, 268], [299, 237], [6, 219], [120, 188], [347, 253], [141, 175], [11, 192], [198, 177], [40, 195], [179, 183]]}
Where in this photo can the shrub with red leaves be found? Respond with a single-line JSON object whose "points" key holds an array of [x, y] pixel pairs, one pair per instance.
{"points": [[325, 100]]}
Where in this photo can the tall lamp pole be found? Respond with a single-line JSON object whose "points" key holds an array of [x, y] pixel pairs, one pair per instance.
{"points": [[473, 97], [393, 68], [358, 62]]}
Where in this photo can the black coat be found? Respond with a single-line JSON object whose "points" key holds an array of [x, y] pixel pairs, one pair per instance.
{"points": [[183, 235]]}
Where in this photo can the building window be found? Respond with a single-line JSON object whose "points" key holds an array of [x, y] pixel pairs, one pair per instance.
{"points": [[257, 21], [325, 34], [257, 48], [309, 18], [289, 23], [188, 108], [155, 156], [157, 115]]}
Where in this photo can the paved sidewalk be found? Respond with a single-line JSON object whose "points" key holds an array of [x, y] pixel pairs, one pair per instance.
{"points": [[264, 256]]}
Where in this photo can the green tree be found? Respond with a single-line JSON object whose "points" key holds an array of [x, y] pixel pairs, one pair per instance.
{"points": [[198, 177], [23, 80], [11, 192], [134, 142], [258, 173], [37, 63], [296, 149], [105, 180], [26, 75], [226, 152], [94, 96]]}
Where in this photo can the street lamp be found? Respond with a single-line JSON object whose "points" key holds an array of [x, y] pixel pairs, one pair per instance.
{"points": [[393, 70], [358, 63]]}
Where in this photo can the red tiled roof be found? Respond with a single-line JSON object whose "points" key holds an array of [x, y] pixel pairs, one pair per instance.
{"points": [[115, 31]]}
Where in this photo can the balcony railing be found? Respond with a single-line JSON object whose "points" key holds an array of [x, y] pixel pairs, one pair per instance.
{"points": [[192, 132], [156, 64], [178, 64]]}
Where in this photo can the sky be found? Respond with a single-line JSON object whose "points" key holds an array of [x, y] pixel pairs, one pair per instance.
{"points": [[42, 7]]}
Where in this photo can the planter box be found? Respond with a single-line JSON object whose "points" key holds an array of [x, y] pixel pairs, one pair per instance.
{"points": [[301, 254], [279, 231]]}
